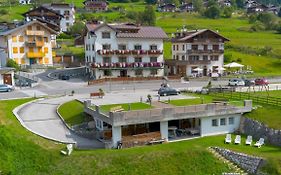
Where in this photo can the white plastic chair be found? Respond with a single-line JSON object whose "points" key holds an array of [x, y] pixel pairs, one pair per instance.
{"points": [[260, 142], [249, 140], [237, 139], [227, 138]]}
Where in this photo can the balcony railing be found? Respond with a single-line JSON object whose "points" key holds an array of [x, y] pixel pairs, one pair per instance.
{"points": [[124, 65], [34, 33], [187, 62], [35, 54], [130, 52], [39, 43], [204, 51]]}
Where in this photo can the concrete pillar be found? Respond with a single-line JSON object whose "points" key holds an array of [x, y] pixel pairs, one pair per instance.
{"points": [[164, 129], [116, 135], [87, 103]]}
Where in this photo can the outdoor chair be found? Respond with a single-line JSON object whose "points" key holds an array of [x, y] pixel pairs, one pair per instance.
{"points": [[249, 140], [237, 139], [227, 138], [260, 142]]}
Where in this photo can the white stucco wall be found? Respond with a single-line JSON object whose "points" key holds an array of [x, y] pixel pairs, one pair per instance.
{"points": [[207, 129], [98, 41]]}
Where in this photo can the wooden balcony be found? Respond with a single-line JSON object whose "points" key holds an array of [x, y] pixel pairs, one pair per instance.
{"points": [[34, 33], [186, 62], [130, 52], [204, 51], [119, 65], [39, 43], [35, 54]]}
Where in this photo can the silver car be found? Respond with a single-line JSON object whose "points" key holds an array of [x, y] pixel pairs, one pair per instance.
{"points": [[6, 88]]}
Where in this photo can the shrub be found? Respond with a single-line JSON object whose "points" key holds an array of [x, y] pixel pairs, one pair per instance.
{"points": [[212, 12], [227, 57], [257, 26], [13, 64], [64, 36], [4, 12]]}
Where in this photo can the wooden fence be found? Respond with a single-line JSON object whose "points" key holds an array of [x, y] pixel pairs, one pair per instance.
{"points": [[250, 96]]}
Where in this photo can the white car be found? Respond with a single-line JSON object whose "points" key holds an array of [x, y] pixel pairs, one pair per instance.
{"points": [[236, 82]]}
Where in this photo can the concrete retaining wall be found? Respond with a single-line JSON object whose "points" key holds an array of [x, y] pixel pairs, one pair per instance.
{"points": [[259, 130]]}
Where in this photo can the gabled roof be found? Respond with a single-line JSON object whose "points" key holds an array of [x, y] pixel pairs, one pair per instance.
{"points": [[131, 30], [196, 33], [167, 5], [44, 8], [28, 24]]}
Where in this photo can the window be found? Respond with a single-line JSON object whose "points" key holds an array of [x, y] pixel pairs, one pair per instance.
{"points": [[67, 18], [122, 47], [122, 59], [38, 28], [222, 121], [106, 60], [14, 38], [174, 47], [67, 24], [93, 47], [205, 47], [153, 59], [107, 73], [21, 39], [138, 72], [174, 57], [231, 120], [214, 58], [106, 46], [194, 47], [205, 57], [182, 57], [214, 122], [177, 57], [30, 49], [137, 47], [66, 12], [153, 72], [93, 59], [46, 39], [193, 57], [15, 50], [138, 60], [177, 47], [29, 28], [183, 47], [215, 47], [46, 50], [21, 49], [153, 47], [105, 35]]}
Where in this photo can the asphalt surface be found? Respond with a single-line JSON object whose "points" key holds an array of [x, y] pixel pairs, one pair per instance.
{"points": [[40, 117]]}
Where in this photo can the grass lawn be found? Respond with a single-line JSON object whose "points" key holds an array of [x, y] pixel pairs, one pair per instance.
{"points": [[73, 112], [31, 154], [201, 99], [14, 12], [276, 93], [270, 115], [125, 106]]}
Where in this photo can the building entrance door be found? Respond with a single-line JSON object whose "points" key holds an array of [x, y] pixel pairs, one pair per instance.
{"points": [[31, 61], [181, 70], [123, 73], [7, 79], [205, 70]]}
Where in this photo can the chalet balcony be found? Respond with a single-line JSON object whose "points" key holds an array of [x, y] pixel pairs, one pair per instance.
{"points": [[187, 62], [35, 54], [119, 65], [34, 33], [34, 43], [39, 43], [130, 52], [205, 51]]}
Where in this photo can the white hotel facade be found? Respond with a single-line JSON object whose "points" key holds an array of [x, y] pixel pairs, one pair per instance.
{"points": [[124, 50]]}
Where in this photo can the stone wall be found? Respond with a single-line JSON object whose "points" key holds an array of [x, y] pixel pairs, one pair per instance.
{"points": [[248, 163], [259, 130]]}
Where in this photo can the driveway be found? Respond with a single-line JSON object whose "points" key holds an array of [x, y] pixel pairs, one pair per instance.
{"points": [[40, 117]]}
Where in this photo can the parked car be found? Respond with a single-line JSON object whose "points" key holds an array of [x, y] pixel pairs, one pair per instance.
{"points": [[261, 81], [164, 91], [249, 82], [236, 82], [6, 88]]}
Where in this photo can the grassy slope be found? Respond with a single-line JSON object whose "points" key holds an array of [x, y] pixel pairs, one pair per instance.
{"points": [[30, 154], [72, 112]]}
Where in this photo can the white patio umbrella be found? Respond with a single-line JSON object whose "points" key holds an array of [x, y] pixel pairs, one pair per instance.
{"points": [[198, 69], [220, 69], [233, 64]]}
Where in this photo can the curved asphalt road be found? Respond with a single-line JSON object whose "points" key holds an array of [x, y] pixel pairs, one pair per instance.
{"points": [[40, 117]]}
